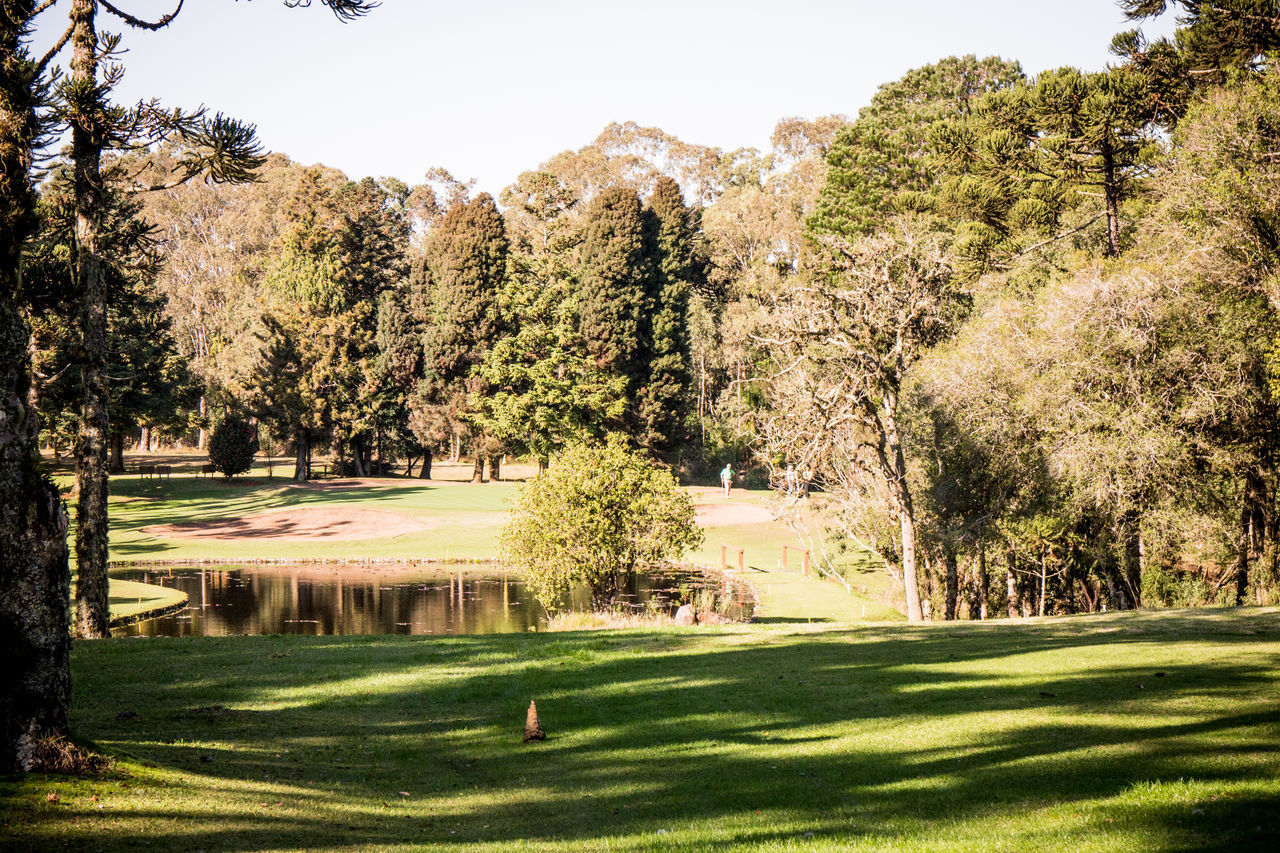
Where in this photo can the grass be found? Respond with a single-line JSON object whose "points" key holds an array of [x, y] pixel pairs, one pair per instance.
{"points": [[1136, 731], [466, 524]]}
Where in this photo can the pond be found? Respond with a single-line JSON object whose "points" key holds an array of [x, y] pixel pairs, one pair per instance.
{"points": [[326, 599]]}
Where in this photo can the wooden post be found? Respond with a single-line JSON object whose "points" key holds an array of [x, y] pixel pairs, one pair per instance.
{"points": [[803, 552], [724, 563], [724, 557]]}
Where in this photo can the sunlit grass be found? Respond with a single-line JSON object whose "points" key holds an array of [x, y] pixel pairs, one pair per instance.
{"points": [[1118, 732]]}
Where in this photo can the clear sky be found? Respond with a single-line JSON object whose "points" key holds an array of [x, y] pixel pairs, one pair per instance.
{"points": [[491, 88]]}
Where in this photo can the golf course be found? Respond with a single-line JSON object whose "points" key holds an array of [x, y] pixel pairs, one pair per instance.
{"points": [[826, 723]]}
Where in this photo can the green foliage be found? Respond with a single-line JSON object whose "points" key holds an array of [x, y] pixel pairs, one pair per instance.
{"points": [[233, 445], [599, 513], [615, 282], [881, 165]]}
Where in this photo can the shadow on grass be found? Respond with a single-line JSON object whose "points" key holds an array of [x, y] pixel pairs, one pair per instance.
{"points": [[875, 735]]}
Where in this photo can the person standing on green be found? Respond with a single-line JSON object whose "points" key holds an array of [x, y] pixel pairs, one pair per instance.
{"points": [[726, 478]]}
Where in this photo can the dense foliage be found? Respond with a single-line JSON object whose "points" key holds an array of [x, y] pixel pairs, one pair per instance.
{"points": [[233, 445], [594, 517]]}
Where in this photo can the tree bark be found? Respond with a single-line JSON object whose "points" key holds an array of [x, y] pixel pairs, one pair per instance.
{"points": [[495, 468], [35, 583], [144, 439], [425, 474], [302, 455], [895, 473], [477, 474], [92, 609]]}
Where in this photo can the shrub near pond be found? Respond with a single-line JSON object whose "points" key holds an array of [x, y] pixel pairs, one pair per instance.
{"points": [[595, 516]]}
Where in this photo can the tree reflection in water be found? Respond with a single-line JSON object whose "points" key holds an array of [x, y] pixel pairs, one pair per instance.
{"points": [[361, 599]]}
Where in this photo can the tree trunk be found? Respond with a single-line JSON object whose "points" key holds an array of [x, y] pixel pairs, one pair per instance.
{"points": [[302, 455], [35, 583], [117, 452], [92, 612], [357, 457], [495, 468], [1131, 556], [953, 582], [202, 437], [981, 586], [477, 474], [895, 473], [144, 439], [1044, 582], [1112, 193], [426, 466], [1011, 582]]}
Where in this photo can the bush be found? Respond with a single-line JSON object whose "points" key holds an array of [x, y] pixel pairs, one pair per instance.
{"points": [[594, 516], [232, 446]]}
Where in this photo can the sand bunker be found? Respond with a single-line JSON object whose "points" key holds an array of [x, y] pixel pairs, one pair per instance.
{"points": [[329, 524], [723, 515]]}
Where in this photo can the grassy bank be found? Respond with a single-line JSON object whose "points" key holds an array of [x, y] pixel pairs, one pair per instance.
{"points": [[1119, 732]]}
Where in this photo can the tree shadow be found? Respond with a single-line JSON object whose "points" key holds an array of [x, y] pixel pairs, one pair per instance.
{"points": [[875, 736]]}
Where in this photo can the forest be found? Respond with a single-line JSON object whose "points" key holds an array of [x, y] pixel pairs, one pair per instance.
{"points": [[1019, 331]]}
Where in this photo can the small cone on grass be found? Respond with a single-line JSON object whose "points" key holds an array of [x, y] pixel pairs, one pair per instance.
{"points": [[532, 728]]}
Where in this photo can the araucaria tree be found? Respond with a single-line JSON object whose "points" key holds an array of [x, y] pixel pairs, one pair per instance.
{"points": [[597, 515], [840, 346], [34, 580]]}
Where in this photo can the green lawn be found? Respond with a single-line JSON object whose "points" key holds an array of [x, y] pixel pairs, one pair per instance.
{"points": [[1137, 731], [466, 522]]}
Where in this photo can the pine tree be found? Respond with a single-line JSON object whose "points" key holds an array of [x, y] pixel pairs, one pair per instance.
{"points": [[616, 282], [664, 399], [464, 268]]}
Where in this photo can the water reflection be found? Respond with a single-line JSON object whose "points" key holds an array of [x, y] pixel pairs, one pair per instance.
{"points": [[327, 599]]}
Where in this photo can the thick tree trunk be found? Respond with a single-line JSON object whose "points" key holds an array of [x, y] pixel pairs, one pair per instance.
{"points": [[952, 581], [302, 455], [495, 468], [144, 439], [35, 584], [92, 611], [477, 473], [425, 474]]}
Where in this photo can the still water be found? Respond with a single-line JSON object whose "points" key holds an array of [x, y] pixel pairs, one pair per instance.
{"points": [[328, 599]]}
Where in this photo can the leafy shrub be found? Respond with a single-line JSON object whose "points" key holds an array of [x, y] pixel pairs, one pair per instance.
{"points": [[232, 446], [595, 516]]}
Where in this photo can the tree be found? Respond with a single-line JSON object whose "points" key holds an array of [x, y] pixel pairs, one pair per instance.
{"points": [[34, 577], [599, 513], [678, 271], [881, 165], [841, 346], [233, 445], [463, 271]]}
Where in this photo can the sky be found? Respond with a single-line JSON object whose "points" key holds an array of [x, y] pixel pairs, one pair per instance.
{"points": [[491, 88]]}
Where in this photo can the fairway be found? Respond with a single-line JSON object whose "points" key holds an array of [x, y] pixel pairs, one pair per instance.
{"points": [[1133, 731]]}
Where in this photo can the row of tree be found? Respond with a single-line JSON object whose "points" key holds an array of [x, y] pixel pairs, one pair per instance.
{"points": [[1036, 328]]}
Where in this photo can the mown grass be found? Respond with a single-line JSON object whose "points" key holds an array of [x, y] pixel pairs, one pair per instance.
{"points": [[1141, 731]]}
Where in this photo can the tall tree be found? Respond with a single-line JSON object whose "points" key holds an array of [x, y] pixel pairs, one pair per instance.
{"points": [[464, 271], [678, 269], [841, 347], [616, 274], [34, 579]]}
